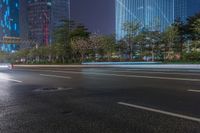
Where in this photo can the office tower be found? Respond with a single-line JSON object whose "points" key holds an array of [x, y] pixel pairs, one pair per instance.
{"points": [[152, 13], [44, 16], [193, 7], [23, 19], [9, 22]]}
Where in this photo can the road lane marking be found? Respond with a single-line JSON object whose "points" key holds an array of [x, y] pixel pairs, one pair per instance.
{"points": [[52, 90], [56, 76], [157, 72], [8, 79], [156, 77], [198, 91], [161, 112]]}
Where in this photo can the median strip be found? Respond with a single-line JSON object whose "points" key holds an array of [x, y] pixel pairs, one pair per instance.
{"points": [[160, 111], [55, 76]]}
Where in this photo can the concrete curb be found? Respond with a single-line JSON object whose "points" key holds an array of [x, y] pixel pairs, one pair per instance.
{"points": [[153, 66]]}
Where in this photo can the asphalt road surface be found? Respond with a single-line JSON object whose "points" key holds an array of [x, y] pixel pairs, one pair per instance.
{"points": [[99, 100]]}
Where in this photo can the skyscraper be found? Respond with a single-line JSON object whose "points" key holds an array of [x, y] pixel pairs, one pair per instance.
{"points": [[23, 16], [60, 10], [44, 16], [152, 13], [193, 7], [9, 22]]}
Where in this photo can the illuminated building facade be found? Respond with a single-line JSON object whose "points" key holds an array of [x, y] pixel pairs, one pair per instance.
{"points": [[44, 16], [152, 14], [9, 22]]}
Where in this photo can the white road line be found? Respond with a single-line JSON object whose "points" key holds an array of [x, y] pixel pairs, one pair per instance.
{"points": [[56, 90], [71, 72], [155, 77], [55, 76], [198, 91], [156, 72], [160, 111], [8, 79]]}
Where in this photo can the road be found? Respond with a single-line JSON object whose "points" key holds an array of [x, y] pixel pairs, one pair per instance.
{"points": [[99, 100]]}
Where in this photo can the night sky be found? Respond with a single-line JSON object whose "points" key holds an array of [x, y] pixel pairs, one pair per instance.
{"points": [[97, 15]]}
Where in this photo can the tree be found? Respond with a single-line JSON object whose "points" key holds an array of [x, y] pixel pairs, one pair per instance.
{"points": [[195, 26], [34, 55], [141, 41], [62, 40], [191, 27], [80, 46], [169, 37], [64, 35], [181, 36], [3, 56], [152, 41], [21, 55], [108, 45], [79, 32], [96, 44], [121, 47], [131, 29]]}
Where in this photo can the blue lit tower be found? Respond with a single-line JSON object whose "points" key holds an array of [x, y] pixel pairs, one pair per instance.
{"points": [[9, 22], [153, 12], [193, 7]]}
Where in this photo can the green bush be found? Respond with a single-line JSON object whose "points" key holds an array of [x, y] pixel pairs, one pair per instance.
{"points": [[191, 57]]}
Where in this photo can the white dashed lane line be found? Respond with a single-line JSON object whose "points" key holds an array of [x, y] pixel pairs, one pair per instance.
{"points": [[161, 112], [56, 76]]}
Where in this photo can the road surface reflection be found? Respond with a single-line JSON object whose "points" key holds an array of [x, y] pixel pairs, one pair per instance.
{"points": [[5, 85]]}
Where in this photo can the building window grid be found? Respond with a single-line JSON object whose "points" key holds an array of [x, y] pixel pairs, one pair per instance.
{"points": [[148, 11]]}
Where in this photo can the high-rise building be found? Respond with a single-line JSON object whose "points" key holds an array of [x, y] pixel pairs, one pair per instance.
{"points": [[44, 16], [193, 7], [9, 22], [152, 13], [23, 19]]}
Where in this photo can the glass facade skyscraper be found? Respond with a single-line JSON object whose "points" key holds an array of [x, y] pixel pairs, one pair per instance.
{"points": [[60, 11], [193, 7], [44, 16], [9, 22], [151, 13]]}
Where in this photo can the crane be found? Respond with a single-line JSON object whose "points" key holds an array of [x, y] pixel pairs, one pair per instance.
{"points": [[46, 28]]}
